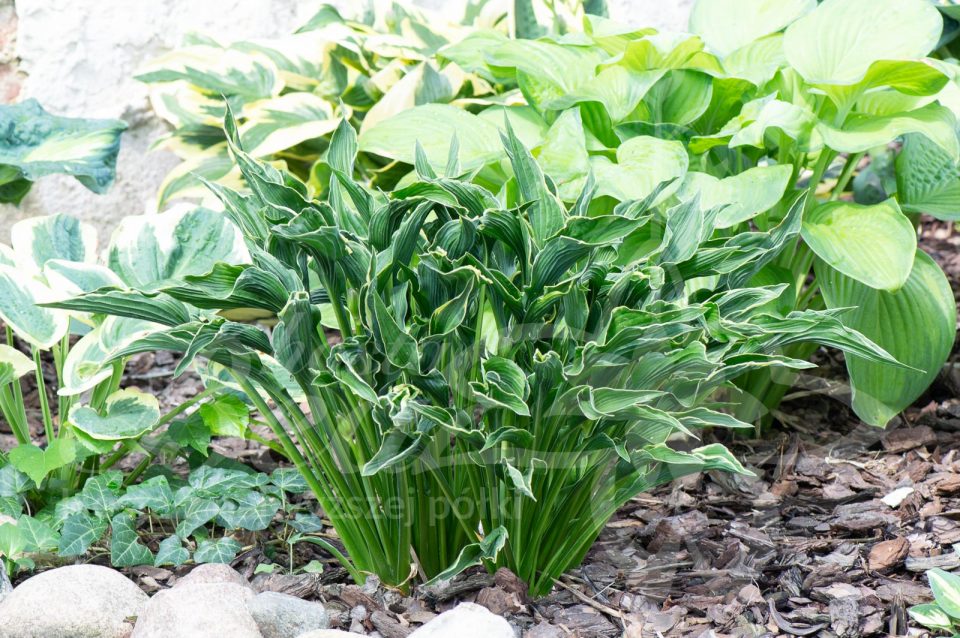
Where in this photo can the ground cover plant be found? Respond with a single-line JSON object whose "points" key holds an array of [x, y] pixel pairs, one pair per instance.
{"points": [[746, 113], [509, 373]]}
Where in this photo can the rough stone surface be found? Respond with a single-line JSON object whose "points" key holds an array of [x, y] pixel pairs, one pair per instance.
{"points": [[198, 610], [213, 573], [284, 616], [79, 58], [79, 601], [466, 620], [328, 633]]}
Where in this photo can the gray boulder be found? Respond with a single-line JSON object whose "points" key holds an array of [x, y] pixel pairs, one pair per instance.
{"points": [[466, 620], [213, 573], [78, 601], [198, 610], [328, 633], [284, 616]]}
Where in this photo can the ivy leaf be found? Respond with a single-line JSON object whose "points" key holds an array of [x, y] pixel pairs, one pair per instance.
{"points": [[289, 480], [13, 482], [80, 531], [307, 523], [38, 536], [37, 462], [197, 513], [102, 493], [126, 550], [171, 552], [10, 506], [222, 550], [251, 511], [191, 432], [154, 494], [226, 416], [12, 543], [211, 481]]}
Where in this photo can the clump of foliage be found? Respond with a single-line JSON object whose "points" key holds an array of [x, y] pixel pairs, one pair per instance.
{"points": [[34, 144], [511, 369], [180, 518], [944, 613], [763, 101]]}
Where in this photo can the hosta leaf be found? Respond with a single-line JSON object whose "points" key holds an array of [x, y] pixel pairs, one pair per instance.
{"points": [[853, 34], [70, 278], [85, 365], [931, 616], [38, 462], [873, 244], [80, 531], [643, 163], [126, 550], [916, 324], [221, 550], [36, 144], [280, 123], [127, 414], [928, 179], [486, 549], [19, 294], [864, 132], [171, 552], [545, 211], [946, 591], [38, 536], [563, 155], [13, 364], [727, 25], [740, 197], [434, 126], [756, 120], [37, 240], [217, 70]]}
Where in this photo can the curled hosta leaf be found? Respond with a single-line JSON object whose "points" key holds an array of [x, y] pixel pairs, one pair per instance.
{"points": [[13, 364], [85, 366], [928, 179], [127, 414], [740, 197], [727, 25], [37, 240], [643, 163], [863, 132], [486, 549], [283, 122], [35, 143], [838, 41], [19, 294], [873, 244], [916, 324]]}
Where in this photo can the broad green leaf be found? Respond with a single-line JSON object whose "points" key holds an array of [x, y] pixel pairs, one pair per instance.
{"points": [[863, 132], [191, 432], [741, 197], [249, 510], [38, 536], [154, 494], [127, 414], [545, 71], [37, 240], [851, 35], [917, 325], [289, 480], [13, 482], [13, 364], [758, 61], [19, 293], [38, 462], [946, 591], [617, 88], [36, 144], [221, 550], [928, 179], [756, 120], [148, 250], [126, 550], [727, 25], [197, 513], [12, 543], [102, 493], [873, 244], [421, 85], [226, 415], [434, 127], [563, 155], [485, 549], [281, 123], [171, 552], [643, 163], [931, 616], [80, 531]]}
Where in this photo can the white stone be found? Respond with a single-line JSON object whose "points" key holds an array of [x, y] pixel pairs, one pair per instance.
{"points": [[284, 616], [78, 601], [466, 620], [328, 633], [199, 610], [213, 573]]}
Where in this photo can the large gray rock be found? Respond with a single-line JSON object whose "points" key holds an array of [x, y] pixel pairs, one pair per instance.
{"points": [[466, 620], [328, 633], [213, 573], [284, 616], [79, 601], [198, 610]]}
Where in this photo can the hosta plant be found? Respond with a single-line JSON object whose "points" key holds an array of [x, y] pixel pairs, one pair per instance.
{"points": [[509, 369], [763, 101], [943, 614], [34, 143]]}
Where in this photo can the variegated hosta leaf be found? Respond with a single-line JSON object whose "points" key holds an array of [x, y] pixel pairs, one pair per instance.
{"points": [[422, 85], [13, 364], [37, 240], [148, 250], [212, 164], [127, 414], [19, 293], [281, 123], [85, 364], [216, 71], [36, 143]]}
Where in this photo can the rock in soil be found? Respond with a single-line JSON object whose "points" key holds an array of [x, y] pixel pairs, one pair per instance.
{"points": [[198, 610], [466, 620], [328, 633], [78, 601], [213, 573], [283, 616]]}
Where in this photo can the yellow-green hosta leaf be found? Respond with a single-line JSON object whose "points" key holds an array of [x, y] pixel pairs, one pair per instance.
{"points": [[280, 123], [946, 591], [670, 51], [875, 245], [862, 133], [837, 42], [545, 71], [618, 88], [928, 179], [758, 61], [147, 250], [758, 118], [434, 127], [19, 293], [563, 155], [526, 123], [741, 197], [127, 414], [727, 25], [643, 163], [13, 364], [916, 324], [182, 104], [37, 240], [35, 144]]}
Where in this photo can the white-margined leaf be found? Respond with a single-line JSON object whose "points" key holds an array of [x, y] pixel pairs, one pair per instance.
{"points": [[127, 414], [37, 240], [19, 293], [13, 364]]}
